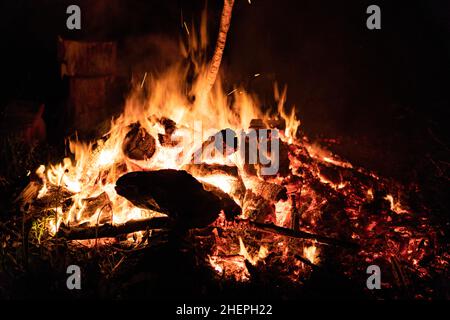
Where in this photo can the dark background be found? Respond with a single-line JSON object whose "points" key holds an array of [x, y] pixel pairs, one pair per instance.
{"points": [[384, 94]]}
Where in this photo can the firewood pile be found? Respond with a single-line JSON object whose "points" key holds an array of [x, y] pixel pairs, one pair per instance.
{"points": [[318, 209], [160, 185]]}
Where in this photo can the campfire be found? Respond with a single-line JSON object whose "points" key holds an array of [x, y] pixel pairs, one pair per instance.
{"points": [[188, 162]]}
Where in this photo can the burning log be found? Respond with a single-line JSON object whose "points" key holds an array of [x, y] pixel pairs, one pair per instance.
{"points": [[215, 174], [230, 207], [109, 230], [101, 203], [29, 194], [257, 208], [269, 191], [53, 198], [175, 193], [217, 143], [283, 150], [260, 198], [205, 169], [138, 143], [166, 139]]}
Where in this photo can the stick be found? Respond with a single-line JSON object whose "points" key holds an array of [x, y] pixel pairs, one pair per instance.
{"points": [[108, 230], [271, 228], [214, 64]]}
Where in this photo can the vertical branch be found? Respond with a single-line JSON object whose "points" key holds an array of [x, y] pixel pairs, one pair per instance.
{"points": [[214, 64]]}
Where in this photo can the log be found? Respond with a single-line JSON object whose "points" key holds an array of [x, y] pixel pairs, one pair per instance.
{"points": [[277, 123], [167, 139], [228, 204], [54, 197], [257, 208], [259, 200], [269, 191], [283, 152], [29, 193], [205, 169], [169, 125], [110, 231], [138, 143], [102, 203], [217, 143], [176, 193]]}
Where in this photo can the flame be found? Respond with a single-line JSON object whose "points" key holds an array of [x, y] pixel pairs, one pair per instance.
{"points": [[223, 182], [395, 205], [311, 253], [262, 253], [93, 168]]}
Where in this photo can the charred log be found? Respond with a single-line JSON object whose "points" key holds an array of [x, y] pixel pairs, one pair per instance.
{"points": [[53, 198], [230, 207], [138, 143], [175, 193]]}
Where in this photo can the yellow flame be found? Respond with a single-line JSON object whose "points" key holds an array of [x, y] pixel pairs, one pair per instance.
{"points": [[262, 254], [311, 253], [93, 168]]}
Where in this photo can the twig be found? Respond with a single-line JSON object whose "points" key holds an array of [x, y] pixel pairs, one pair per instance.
{"points": [[271, 228]]}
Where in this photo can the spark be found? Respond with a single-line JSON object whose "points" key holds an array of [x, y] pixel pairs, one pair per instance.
{"points": [[143, 80], [186, 27], [231, 92]]}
